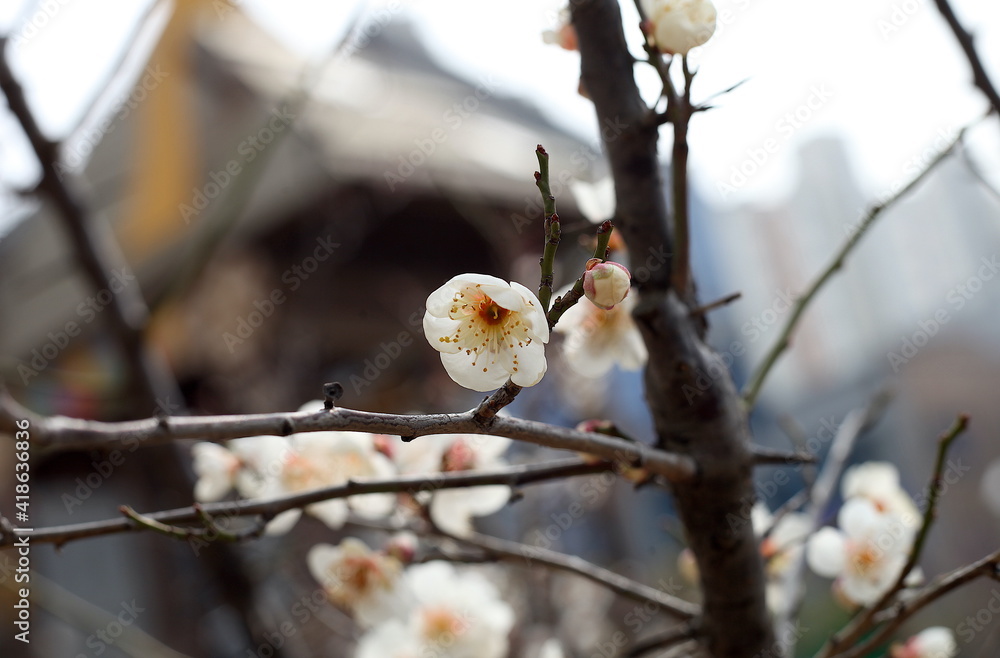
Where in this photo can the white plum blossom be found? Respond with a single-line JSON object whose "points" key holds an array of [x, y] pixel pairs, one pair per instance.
{"points": [[780, 548], [366, 583], [457, 614], [606, 283], [933, 642], [867, 553], [273, 466], [879, 483], [486, 331], [216, 468], [452, 509], [677, 26], [596, 339], [324, 459], [595, 200], [989, 487]]}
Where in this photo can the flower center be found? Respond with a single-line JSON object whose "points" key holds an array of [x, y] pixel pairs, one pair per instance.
{"points": [[866, 558], [491, 313], [442, 625]]}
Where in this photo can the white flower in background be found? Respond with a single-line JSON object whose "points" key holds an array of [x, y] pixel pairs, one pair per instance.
{"points": [[595, 200], [780, 549], [487, 330], [452, 509], [867, 553], [216, 468], [366, 583], [275, 466], [456, 615], [596, 339], [989, 487], [606, 283], [551, 649], [933, 642], [677, 26], [564, 34], [879, 483]]}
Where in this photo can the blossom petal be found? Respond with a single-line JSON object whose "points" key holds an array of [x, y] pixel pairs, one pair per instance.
{"points": [[533, 313], [283, 522], [453, 509], [826, 552], [459, 368]]}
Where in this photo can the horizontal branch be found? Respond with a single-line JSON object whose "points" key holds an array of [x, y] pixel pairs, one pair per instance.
{"points": [[513, 476], [63, 433], [510, 550]]}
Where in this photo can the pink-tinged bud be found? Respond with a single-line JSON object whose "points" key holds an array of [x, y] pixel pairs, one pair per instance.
{"points": [[402, 546], [606, 283]]}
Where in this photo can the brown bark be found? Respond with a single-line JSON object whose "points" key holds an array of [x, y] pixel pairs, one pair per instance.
{"points": [[695, 405]]}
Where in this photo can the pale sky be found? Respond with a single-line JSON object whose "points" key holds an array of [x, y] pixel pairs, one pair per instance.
{"points": [[886, 75]]}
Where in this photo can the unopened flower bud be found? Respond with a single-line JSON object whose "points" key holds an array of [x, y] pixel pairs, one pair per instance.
{"points": [[402, 546], [677, 26], [606, 283]]}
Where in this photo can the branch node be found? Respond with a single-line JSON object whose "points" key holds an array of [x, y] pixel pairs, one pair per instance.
{"points": [[332, 392]]}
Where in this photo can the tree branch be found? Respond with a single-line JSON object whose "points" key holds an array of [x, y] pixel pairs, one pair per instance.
{"points": [[965, 40], [127, 310], [268, 509], [706, 423], [510, 550], [62, 433]]}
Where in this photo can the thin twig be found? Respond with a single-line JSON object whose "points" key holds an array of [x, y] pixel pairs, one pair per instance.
{"points": [[719, 303], [62, 433], [965, 40], [125, 53], [553, 231], [756, 382], [126, 308], [513, 476], [510, 550], [769, 456], [664, 640]]}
